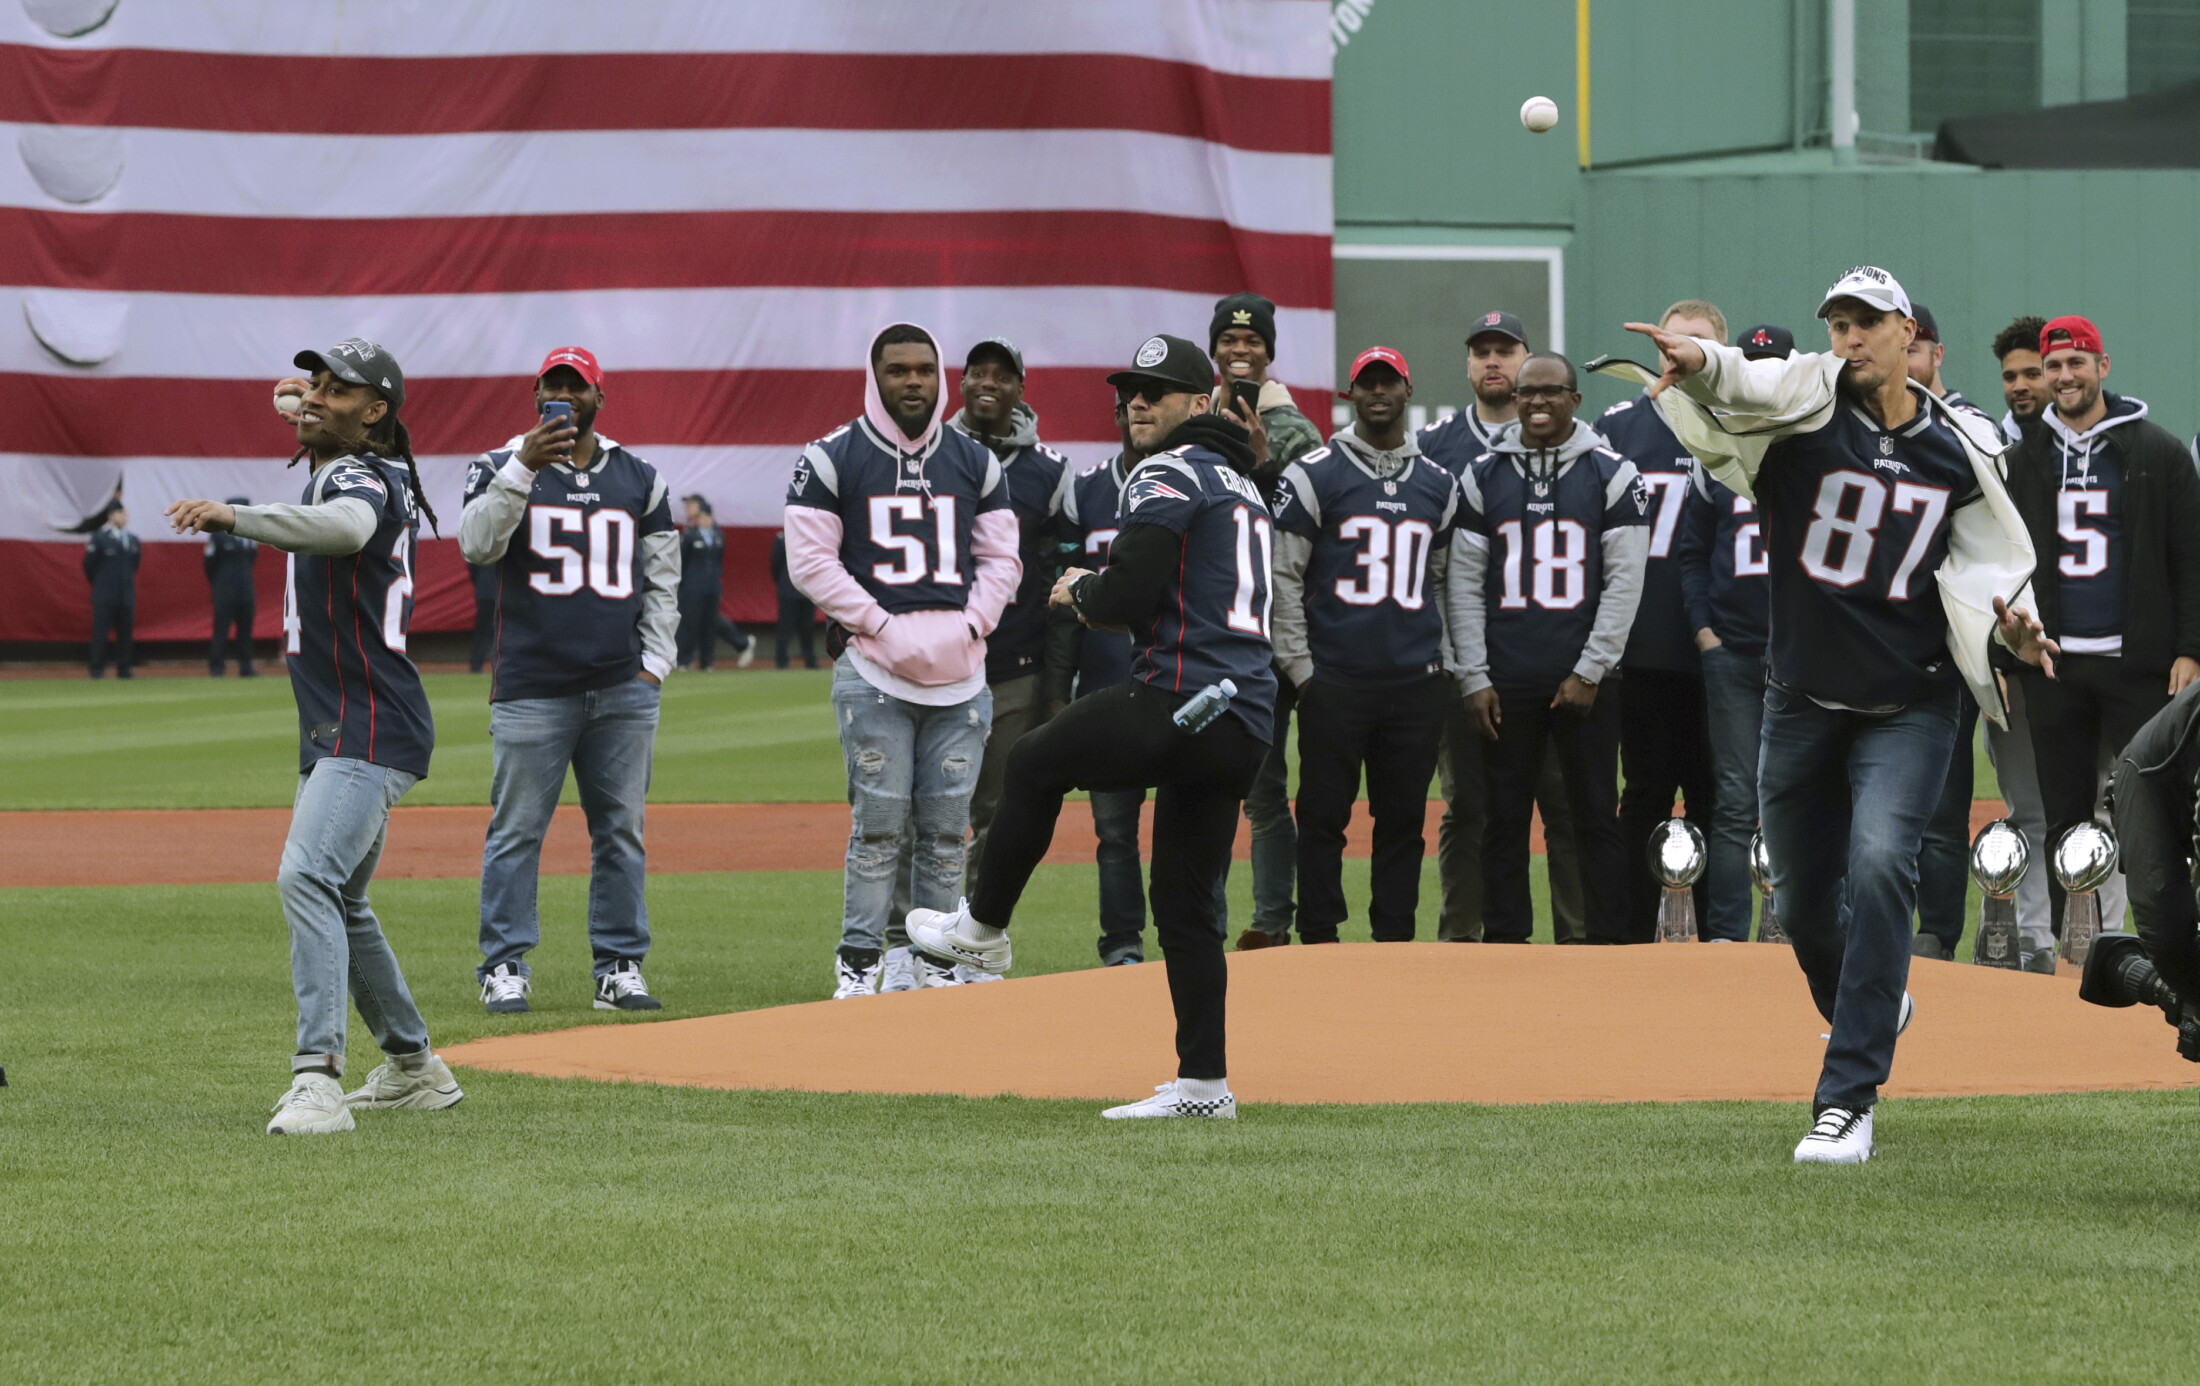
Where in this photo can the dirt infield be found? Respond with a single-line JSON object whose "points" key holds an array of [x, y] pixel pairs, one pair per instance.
{"points": [[1416, 1022], [214, 846]]}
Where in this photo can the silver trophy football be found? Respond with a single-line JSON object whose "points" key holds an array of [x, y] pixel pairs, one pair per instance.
{"points": [[1760, 871], [2084, 857], [1677, 860], [1999, 858]]}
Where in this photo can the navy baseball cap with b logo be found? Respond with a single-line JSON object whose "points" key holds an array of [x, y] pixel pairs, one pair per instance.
{"points": [[361, 362], [1499, 323], [1765, 340]]}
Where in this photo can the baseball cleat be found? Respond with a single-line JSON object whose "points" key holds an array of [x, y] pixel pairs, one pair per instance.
{"points": [[1168, 1102], [954, 937], [622, 989], [428, 1088], [1840, 1136], [504, 991], [314, 1106]]}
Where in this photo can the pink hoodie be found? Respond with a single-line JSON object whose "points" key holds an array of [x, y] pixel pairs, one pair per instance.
{"points": [[930, 648]]}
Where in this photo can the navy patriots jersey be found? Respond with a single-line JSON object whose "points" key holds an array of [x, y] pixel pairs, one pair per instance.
{"points": [[1661, 638], [570, 586], [2090, 559], [1725, 578], [1372, 618], [344, 624], [1214, 622], [905, 518], [1456, 441], [1546, 559], [1018, 645], [1091, 519], [1856, 523]]}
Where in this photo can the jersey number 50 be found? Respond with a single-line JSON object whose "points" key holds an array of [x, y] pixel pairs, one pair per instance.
{"points": [[608, 564]]}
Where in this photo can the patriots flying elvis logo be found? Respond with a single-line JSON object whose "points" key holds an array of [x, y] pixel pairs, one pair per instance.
{"points": [[1151, 489]]}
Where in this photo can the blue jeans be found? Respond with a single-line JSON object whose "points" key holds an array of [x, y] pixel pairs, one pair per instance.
{"points": [[1734, 696], [337, 823], [1846, 797], [911, 770], [1944, 853], [606, 737]]}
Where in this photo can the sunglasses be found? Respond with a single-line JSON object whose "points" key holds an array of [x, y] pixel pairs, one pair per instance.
{"points": [[1153, 392]]}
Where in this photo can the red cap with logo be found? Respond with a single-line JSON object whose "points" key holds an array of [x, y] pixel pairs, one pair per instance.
{"points": [[579, 358], [2071, 331], [1389, 356]]}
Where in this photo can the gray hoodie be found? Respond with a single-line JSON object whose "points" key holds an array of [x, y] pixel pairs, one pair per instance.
{"points": [[1626, 555]]}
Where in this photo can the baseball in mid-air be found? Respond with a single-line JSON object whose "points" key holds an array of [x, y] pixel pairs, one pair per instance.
{"points": [[1539, 113]]}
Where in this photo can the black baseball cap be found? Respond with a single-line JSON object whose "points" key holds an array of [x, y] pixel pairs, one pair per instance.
{"points": [[1498, 322], [1170, 361], [998, 346], [1766, 340], [1927, 329], [361, 362]]}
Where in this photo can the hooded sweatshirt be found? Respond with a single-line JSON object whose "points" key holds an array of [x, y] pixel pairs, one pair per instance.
{"points": [[1038, 478], [1547, 562], [2114, 511], [907, 542]]}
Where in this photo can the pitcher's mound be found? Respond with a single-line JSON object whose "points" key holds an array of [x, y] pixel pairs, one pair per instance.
{"points": [[1371, 1022]]}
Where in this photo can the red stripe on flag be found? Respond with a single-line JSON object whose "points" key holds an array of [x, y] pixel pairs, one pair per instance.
{"points": [[153, 416], [304, 94], [150, 252]]}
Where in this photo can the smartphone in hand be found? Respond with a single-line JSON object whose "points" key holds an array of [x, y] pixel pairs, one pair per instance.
{"points": [[1245, 399], [557, 411]]}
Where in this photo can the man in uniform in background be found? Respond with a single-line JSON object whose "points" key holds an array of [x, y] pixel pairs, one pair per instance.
{"points": [[229, 561], [1664, 739], [110, 564], [581, 533], [1241, 338], [1497, 344], [703, 590], [1359, 628]]}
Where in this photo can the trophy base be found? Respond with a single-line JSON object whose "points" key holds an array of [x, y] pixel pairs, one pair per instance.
{"points": [[1677, 916], [1997, 943], [1768, 926], [2081, 922]]}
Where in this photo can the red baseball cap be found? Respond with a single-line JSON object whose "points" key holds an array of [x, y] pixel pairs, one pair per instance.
{"points": [[2074, 332], [1389, 356], [579, 358]]}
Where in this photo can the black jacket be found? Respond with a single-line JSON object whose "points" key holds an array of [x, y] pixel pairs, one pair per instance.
{"points": [[111, 563], [2162, 512]]}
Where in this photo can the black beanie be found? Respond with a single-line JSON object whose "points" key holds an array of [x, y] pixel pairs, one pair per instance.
{"points": [[1244, 310]]}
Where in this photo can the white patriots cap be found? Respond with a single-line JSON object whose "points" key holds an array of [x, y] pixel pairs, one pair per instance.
{"points": [[1869, 284]]}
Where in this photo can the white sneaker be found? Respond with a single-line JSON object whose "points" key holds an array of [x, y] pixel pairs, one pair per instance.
{"points": [[314, 1106], [1909, 1009], [900, 970], [952, 937], [1165, 1102], [504, 991], [931, 972], [966, 975], [1840, 1136], [428, 1088], [747, 656], [622, 989], [851, 980]]}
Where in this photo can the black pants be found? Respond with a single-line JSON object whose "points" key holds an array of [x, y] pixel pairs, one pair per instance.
{"points": [[1392, 732], [2154, 831], [1664, 746], [485, 627], [232, 634], [797, 622], [1123, 738], [1588, 758], [1944, 852], [2093, 701], [696, 639], [115, 618]]}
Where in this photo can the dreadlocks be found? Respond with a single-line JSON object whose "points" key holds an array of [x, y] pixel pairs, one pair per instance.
{"points": [[390, 439]]}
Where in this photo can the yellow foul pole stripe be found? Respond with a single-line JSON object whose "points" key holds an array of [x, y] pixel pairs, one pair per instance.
{"points": [[1581, 78]]}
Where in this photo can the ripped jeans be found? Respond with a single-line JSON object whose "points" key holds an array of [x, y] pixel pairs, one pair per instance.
{"points": [[911, 770]]}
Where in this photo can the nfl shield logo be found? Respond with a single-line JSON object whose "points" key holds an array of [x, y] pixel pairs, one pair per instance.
{"points": [[1886, 446], [581, 479], [913, 466]]}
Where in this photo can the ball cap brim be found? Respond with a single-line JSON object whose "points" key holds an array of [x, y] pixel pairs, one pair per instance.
{"points": [[359, 362], [1870, 285]]}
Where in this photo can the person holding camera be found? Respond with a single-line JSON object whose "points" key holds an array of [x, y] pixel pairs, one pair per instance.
{"points": [[588, 576]]}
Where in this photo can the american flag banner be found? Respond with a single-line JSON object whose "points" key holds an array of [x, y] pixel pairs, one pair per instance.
{"points": [[723, 199]]}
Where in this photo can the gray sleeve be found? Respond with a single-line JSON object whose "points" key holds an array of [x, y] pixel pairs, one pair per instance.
{"points": [[1469, 565], [485, 526], [1288, 624], [337, 527], [1626, 557], [661, 591]]}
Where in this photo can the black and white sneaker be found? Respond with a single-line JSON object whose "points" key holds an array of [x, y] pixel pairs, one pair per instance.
{"points": [[1168, 1102], [622, 989], [504, 991], [1840, 1136]]}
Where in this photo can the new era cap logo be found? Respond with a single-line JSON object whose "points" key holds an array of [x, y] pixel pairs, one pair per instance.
{"points": [[1152, 354]]}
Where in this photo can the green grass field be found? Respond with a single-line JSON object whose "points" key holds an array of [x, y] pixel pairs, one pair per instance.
{"points": [[569, 1231]]}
